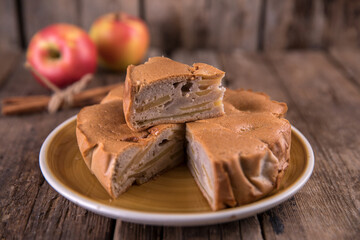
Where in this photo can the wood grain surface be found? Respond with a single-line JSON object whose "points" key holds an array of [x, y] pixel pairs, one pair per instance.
{"points": [[8, 62], [46, 12], [310, 24], [200, 24], [251, 25], [9, 28], [328, 113], [348, 60], [30, 208], [92, 9], [322, 92]]}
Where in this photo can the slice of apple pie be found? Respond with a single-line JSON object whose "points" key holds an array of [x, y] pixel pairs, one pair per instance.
{"points": [[239, 157], [118, 156], [164, 91]]}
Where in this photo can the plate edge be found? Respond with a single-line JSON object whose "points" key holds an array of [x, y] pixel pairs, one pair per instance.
{"points": [[171, 219]]}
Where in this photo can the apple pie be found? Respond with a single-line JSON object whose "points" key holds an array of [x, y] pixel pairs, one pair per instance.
{"points": [[235, 159], [118, 156], [165, 91]]}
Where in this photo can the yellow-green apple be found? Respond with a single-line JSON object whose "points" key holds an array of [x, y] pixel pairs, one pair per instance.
{"points": [[120, 39], [62, 53]]}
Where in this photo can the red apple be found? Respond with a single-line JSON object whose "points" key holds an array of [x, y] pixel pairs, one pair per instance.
{"points": [[120, 39], [62, 53]]}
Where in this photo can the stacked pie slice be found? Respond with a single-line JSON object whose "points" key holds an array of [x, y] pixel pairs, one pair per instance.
{"points": [[241, 156], [165, 91], [237, 145]]}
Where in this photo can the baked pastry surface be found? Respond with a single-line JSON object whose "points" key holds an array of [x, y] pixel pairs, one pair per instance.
{"points": [[165, 91], [118, 156], [114, 95], [239, 157]]}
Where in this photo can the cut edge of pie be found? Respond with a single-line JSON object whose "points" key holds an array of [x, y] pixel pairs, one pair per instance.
{"points": [[165, 91], [118, 156]]}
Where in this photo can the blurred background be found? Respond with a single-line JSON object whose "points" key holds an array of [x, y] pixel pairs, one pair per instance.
{"points": [[303, 52], [252, 25]]}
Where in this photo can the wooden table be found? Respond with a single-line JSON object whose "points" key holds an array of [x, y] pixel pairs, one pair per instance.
{"points": [[322, 92]]}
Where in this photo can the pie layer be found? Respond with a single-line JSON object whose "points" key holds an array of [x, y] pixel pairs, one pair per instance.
{"points": [[118, 156], [164, 91], [241, 156]]}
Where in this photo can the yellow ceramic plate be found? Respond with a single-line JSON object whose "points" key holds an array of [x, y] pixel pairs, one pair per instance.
{"points": [[171, 199]]}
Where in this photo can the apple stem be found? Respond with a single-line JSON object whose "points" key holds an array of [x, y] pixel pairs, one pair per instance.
{"points": [[117, 17], [42, 78], [54, 53]]}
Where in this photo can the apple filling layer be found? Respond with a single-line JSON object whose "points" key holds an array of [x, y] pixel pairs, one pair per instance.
{"points": [[179, 116], [200, 169], [180, 100], [177, 99], [154, 161], [164, 153], [155, 103]]}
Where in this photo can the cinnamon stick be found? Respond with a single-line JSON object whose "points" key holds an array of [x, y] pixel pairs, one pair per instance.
{"points": [[20, 99], [32, 104]]}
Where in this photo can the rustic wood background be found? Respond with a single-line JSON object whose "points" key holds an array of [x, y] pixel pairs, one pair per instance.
{"points": [[321, 88], [253, 25]]}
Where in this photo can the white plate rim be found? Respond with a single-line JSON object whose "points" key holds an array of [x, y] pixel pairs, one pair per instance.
{"points": [[173, 219]]}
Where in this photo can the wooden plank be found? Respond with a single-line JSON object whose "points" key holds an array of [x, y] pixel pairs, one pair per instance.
{"points": [[200, 24], [126, 230], [79, 12], [249, 71], [8, 60], [9, 35], [245, 229], [203, 56], [45, 12], [277, 20], [162, 18], [250, 228], [294, 24], [203, 24], [194, 233], [327, 207], [91, 10], [320, 102], [342, 26], [30, 208], [348, 60], [309, 24]]}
